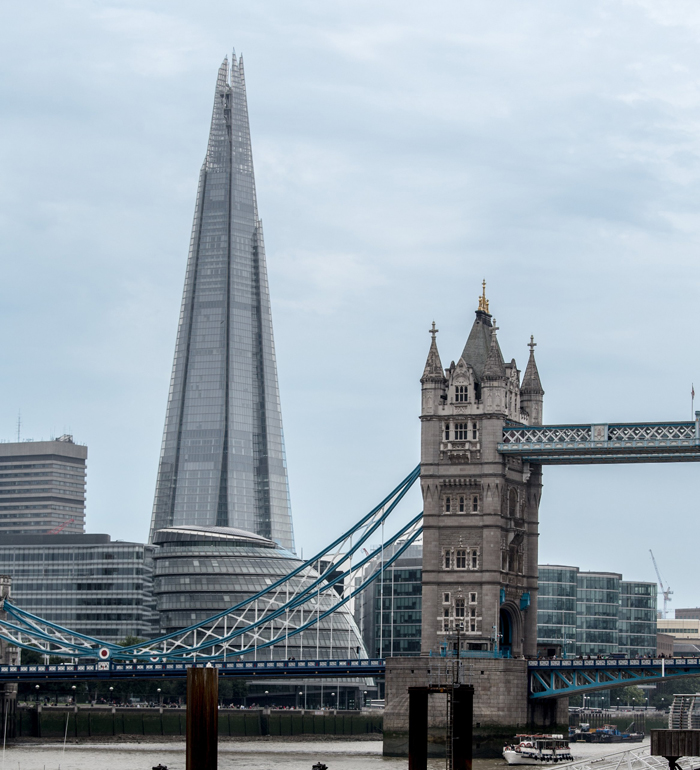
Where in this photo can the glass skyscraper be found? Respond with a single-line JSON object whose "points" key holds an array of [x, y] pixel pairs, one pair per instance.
{"points": [[222, 458]]}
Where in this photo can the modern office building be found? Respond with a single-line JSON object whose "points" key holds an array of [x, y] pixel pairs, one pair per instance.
{"points": [[87, 583], [42, 487], [556, 608], [637, 620], [594, 613], [200, 571], [222, 459], [389, 611], [597, 613]]}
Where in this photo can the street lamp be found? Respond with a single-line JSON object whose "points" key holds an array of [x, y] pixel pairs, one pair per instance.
{"points": [[36, 687], [75, 702], [160, 697]]}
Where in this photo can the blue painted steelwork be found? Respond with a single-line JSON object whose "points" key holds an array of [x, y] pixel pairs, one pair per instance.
{"points": [[560, 678], [298, 669], [632, 442], [231, 632]]}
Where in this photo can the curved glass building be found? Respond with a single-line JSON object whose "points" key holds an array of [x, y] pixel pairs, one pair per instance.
{"points": [[200, 571]]}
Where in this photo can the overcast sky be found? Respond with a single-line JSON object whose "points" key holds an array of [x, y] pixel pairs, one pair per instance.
{"points": [[403, 151]]}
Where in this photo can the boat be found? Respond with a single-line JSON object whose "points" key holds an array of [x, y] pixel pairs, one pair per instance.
{"points": [[537, 750]]}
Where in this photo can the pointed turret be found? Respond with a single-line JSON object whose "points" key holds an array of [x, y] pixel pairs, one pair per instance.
{"points": [[494, 368], [433, 371], [478, 346], [531, 391]]}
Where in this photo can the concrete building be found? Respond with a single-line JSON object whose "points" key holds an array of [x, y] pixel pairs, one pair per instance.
{"points": [[222, 460], [685, 633], [87, 583], [42, 487], [688, 613]]}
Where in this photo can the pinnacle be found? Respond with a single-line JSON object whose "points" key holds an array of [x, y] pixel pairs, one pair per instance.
{"points": [[531, 378], [494, 369], [433, 366]]}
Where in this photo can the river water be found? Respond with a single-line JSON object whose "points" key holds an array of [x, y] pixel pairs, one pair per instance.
{"points": [[267, 755]]}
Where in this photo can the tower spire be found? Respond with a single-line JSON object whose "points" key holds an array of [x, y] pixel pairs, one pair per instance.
{"points": [[433, 366], [531, 378], [494, 368]]}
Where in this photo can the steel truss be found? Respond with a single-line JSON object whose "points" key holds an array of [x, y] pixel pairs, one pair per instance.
{"points": [[269, 618], [562, 678], [632, 759], [603, 443]]}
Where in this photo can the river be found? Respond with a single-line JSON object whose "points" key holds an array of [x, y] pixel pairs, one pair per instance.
{"points": [[264, 755]]}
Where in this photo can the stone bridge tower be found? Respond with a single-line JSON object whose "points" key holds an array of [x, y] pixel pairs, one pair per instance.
{"points": [[480, 525]]}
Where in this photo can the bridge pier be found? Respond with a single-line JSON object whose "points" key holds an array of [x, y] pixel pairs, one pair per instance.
{"points": [[501, 707]]}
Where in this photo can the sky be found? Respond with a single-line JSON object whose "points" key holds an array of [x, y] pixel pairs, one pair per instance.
{"points": [[403, 152]]}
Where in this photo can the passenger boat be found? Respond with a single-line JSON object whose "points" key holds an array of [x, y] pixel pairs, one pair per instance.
{"points": [[537, 750]]}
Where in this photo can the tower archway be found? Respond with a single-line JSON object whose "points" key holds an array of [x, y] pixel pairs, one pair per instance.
{"points": [[510, 630]]}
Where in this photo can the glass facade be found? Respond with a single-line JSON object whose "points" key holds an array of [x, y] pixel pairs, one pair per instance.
{"points": [[83, 582], [42, 487], [389, 611], [200, 571], [637, 623], [556, 608], [597, 612], [222, 458], [594, 613]]}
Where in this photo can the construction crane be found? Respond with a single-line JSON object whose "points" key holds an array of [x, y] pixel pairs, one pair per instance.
{"points": [[58, 530], [665, 592]]}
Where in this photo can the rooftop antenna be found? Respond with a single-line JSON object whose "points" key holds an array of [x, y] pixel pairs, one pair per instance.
{"points": [[19, 424]]}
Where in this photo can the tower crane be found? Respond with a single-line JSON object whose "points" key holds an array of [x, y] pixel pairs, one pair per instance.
{"points": [[665, 592]]}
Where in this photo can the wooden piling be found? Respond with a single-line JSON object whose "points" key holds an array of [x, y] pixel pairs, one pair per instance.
{"points": [[202, 718]]}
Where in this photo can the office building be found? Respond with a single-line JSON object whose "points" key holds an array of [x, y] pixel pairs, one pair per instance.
{"points": [[389, 610], [594, 613], [88, 583], [42, 487], [689, 613], [222, 459]]}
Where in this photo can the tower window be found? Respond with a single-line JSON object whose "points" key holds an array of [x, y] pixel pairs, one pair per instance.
{"points": [[472, 598], [461, 558], [459, 608], [472, 620], [475, 559], [447, 431], [475, 432], [448, 504], [446, 560], [446, 619], [446, 598], [462, 393], [475, 504], [461, 431], [461, 504]]}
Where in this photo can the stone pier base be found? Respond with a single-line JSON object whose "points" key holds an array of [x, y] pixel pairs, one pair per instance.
{"points": [[501, 706]]}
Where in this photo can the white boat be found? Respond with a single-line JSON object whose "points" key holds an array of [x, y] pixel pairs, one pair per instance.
{"points": [[537, 750]]}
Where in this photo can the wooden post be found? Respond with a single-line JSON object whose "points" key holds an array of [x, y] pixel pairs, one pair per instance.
{"points": [[202, 718], [462, 715], [417, 728]]}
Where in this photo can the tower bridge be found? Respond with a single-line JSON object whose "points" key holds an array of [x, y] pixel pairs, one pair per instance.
{"points": [[483, 447]]}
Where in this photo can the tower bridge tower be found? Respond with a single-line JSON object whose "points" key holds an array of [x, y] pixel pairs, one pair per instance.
{"points": [[480, 525]]}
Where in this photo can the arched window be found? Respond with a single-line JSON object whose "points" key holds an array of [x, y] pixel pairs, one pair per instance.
{"points": [[512, 503], [475, 504], [448, 505], [461, 558], [461, 503], [461, 393]]}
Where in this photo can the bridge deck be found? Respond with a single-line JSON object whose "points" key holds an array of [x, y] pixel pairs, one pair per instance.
{"points": [[299, 669], [558, 678], [652, 442]]}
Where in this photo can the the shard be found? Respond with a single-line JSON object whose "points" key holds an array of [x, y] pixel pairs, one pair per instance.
{"points": [[222, 459]]}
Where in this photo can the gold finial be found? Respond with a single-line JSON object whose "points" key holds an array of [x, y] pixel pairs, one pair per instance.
{"points": [[483, 302]]}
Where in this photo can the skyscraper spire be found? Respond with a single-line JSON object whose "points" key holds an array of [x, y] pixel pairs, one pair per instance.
{"points": [[222, 459]]}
